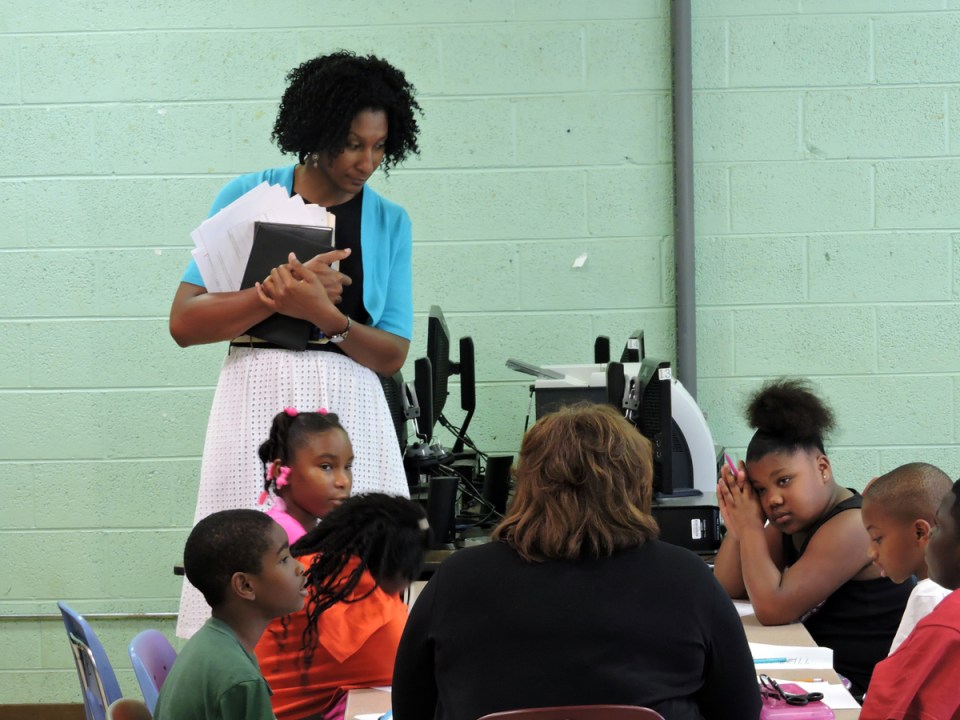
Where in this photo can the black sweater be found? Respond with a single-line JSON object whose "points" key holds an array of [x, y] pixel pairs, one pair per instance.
{"points": [[648, 626]]}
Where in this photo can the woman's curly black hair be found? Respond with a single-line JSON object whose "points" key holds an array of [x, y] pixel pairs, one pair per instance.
{"points": [[388, 535], [788, 416], [326, 93]]}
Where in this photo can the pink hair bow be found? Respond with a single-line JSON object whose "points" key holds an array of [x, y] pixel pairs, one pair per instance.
{"points": [[293, 412], [281, 482]]}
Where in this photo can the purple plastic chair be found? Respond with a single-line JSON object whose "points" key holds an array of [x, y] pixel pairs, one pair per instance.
{"points": [[98, 682], [152, 656]]}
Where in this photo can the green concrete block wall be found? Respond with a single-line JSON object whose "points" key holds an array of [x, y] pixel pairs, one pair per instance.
{"points": [[827, 229]]}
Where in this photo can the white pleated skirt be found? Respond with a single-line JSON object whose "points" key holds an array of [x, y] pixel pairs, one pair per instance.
{"points": [[257, 383]]}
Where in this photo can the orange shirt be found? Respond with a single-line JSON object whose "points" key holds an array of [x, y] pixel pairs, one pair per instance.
{"points": [[356, 646]]}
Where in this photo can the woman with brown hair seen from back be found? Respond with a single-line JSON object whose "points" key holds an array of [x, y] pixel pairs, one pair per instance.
{"points": [[576, 601]]}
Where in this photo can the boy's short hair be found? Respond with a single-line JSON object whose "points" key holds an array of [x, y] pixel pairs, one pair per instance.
{"points": [[224, 543], [955, 508], [910, 492]]}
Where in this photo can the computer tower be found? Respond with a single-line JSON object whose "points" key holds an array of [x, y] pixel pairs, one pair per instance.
{"points": [[690, 522]]}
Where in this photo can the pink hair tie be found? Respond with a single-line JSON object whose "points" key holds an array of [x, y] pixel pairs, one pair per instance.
{"points": [[322, 411], [282, 477], [263, 497], [291, 411]]}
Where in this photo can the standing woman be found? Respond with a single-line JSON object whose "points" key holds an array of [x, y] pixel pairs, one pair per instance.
{"points": [[343, 116]]}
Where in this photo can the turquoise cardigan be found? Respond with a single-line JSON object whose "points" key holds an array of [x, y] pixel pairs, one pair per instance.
{"points": [[386, 243]]}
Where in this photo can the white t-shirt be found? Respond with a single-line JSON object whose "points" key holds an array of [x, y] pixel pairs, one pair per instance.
{"points": [[923, 599]]}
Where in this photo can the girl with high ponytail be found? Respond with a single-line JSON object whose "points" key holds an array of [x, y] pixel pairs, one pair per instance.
{"points": [[795, 543]]}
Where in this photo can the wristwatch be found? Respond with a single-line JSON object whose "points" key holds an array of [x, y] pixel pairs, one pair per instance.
{"points": [[342, 335]]}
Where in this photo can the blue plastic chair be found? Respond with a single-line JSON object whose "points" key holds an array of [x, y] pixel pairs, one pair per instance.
{"points": [[98, 682], [152, 656]]}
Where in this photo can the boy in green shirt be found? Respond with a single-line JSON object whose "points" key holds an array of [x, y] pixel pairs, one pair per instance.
{"points": [[240, 560]]}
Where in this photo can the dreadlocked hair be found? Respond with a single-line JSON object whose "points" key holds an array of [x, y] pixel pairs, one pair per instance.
{"points": [[287, 435], [389, 536], [787, 416], [326, 93]]}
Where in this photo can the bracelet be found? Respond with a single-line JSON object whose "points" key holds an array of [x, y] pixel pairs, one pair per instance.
{"points": [[342, 335]]}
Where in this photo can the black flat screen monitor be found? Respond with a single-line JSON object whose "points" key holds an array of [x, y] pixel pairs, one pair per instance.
{"points": [[438, 352], [423, 385], [393, 392], [672, 464], [634, 350]]}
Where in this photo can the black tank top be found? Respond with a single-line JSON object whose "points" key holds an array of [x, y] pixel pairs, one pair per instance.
{"points": [[348, 216], [859, 619]]}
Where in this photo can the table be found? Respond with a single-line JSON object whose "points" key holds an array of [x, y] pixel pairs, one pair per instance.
{"points": [[794, 634], [366, 700]]}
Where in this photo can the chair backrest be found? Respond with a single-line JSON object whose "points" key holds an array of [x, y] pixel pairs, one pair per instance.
{"points": [[152, 656], [98, 682], [578, 712]]}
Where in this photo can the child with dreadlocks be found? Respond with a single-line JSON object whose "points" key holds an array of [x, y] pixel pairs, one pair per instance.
{"points": [[359, 560], [307, 468]]}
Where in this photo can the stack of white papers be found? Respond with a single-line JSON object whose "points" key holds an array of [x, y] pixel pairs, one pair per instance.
{"points": [[223, 241]]}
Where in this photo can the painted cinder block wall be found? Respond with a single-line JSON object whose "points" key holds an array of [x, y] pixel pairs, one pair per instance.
{"points": [[826, 230]]}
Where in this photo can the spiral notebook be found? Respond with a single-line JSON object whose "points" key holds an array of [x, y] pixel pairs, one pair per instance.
{"points": [[272, 244]]}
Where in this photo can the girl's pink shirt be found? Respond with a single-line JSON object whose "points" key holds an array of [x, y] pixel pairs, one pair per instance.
{"points": [[278, 511]]}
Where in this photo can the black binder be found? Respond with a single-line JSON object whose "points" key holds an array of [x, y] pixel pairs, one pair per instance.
{"points": [[272, 244]]}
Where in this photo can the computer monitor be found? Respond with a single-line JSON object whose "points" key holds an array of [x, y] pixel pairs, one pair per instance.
{"points": [[393, 388], [673, 474], [601, 349], [424, 420], [438, 352], [419, 458], [633, 349]]}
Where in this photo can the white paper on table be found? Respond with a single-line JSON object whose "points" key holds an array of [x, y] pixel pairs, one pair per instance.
{"points": [[835, 695], [796, 656], [744, 608]]}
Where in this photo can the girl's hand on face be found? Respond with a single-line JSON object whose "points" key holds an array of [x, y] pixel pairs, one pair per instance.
{"points": [[739, 505]]}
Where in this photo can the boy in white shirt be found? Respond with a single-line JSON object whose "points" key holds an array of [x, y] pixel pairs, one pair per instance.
{"points": [[899, 509]]}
